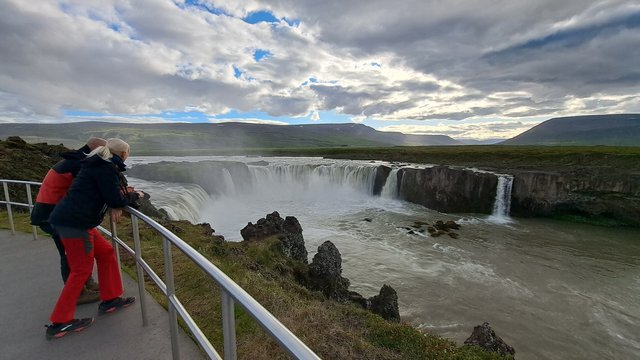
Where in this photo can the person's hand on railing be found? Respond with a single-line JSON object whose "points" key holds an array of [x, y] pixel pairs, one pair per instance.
{"points": [[116, 214]]}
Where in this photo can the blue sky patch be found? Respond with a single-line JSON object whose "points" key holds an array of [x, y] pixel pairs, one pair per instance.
{"points": [[268, 17], [237, 72], [260, 54], [203, 6], [260, 16]]}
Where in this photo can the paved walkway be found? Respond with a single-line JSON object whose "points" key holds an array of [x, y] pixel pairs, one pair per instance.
{"points": [[29, 287]]}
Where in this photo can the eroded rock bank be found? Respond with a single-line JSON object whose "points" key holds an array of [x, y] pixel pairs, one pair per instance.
{"points": [[448, 190], [583, 193], [589, 194], [324, 274]]}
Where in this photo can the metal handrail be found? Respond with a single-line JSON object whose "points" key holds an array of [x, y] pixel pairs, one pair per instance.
{"points": [[232, 293]]}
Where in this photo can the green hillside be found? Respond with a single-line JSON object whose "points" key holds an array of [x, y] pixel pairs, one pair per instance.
{"points": [[182, 138], [611, 130]]}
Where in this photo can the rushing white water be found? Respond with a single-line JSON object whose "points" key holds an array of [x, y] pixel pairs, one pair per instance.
{"points": [[552, 290], [390, 189], [180, 201], [502, 204]]}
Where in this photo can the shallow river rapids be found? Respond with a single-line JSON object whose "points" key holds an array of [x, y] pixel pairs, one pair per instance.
{"points": [[552, 290]]}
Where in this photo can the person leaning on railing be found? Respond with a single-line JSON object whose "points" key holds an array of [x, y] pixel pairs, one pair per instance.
{"points": [[54, 187], [96, 188]]}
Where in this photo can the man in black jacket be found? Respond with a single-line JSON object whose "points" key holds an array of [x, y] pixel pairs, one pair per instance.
{"points": [[54, 187]]}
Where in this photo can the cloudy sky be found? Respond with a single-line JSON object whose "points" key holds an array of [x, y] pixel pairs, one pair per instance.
{"points": [[469, 69]]}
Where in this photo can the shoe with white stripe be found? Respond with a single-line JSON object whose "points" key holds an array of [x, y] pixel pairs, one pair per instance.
{"points": [[56, 331]]}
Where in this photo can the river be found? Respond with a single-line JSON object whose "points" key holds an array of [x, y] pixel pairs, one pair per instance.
{"points": [[552, 290]]}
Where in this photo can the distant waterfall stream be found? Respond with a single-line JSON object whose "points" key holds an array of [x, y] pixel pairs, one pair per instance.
{"points": [[502, 205]]}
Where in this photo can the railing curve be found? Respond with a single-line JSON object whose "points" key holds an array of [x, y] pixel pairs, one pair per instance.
{"points": [[232, 293]]}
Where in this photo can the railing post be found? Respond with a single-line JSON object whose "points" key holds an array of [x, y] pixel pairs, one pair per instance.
{"points": [[114, 235], [173, 314], [29, 197], [228, 326], [138, 255], [9, 214]]}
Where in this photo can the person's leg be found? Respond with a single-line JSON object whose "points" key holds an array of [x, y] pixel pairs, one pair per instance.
{"points": [[64, 265], [109, 279], [81, 266]]}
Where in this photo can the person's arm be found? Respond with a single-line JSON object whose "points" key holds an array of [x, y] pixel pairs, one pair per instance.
{"points": [[109, 187]]}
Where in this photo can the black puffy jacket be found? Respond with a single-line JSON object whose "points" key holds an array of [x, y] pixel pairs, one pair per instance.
{"points": [[96, 188]]}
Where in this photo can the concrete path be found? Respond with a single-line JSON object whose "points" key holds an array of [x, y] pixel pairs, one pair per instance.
{"points": [[30, 283]]}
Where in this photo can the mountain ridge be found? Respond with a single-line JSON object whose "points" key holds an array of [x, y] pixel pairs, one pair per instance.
{"points": [[612, 130], [230, 135]]}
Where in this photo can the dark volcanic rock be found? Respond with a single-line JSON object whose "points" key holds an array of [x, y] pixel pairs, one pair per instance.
{"points": [[385, 304], [582, 192], [325, 273], [267, 226], [485, 337], [292, 240], [448, 190], [355, 297], [289, 231], [148, 209], [382, 172]]}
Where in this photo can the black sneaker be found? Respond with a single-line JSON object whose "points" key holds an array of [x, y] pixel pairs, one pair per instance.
{"points": [[56, 331], [106, 307]]}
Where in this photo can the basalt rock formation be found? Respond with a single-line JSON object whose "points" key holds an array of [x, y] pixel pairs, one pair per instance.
{"points": [[589, 193], [485, 337], [325, 273], [288, 230], [448, 190], [381, 175], [385, 304], [579, 192]]}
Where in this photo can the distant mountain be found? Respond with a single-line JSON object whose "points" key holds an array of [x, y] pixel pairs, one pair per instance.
{"points": [[614, 130], [189, 138]]}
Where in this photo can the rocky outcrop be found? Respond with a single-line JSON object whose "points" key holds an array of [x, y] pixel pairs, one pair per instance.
{"points": [[147, 208], [325, 273], [380, 178], [292, 240], [288, 230], [385, 304], [486, 338], [264, 227], [584, 193], [449, 190]]}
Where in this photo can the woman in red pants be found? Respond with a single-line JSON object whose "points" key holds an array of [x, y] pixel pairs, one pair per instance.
{"points": [[96, 188]]}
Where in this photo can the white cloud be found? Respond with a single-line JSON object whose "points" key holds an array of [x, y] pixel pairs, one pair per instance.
{"points": [[373, 59], [480, 130]]}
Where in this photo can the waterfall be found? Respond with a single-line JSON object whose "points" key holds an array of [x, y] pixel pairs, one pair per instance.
{"points": [[502, 204], [306, 177], [229, 185], [180, 201], [390, 188]]}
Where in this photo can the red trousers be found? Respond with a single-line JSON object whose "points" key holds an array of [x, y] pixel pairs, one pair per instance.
{"points": [[81, 266]]}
